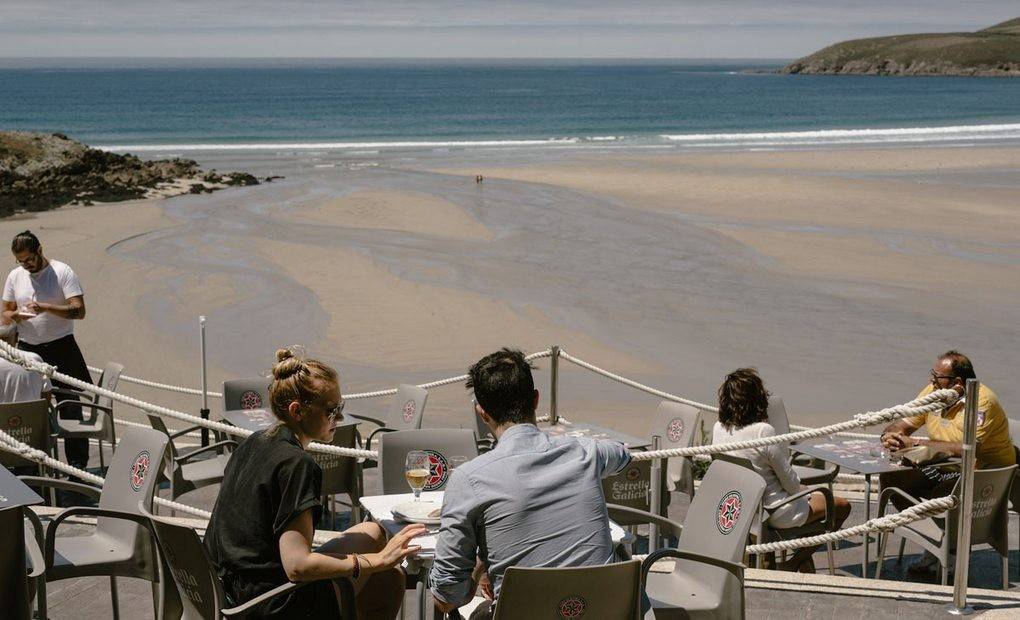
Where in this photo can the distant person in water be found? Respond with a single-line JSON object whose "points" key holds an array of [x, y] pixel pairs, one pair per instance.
{"points": [[261, 529], [45, 298], [743, 416], [479, 178]]}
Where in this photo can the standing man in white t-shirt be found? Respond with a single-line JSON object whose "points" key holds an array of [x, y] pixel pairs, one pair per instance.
{"points": [[44, 298]]}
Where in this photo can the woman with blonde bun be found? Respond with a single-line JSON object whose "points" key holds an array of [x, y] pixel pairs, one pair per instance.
{"points": [[260, 533]]}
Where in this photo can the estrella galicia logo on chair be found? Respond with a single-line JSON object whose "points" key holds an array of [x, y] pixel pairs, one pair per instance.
{"points": [[728, 512], [439, 471], [139, 469]]}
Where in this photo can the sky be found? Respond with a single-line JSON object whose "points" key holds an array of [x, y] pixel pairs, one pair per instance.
{"points": [[470, 28]]}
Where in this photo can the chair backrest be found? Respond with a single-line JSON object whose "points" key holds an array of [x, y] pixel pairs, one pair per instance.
{"points": [[720, 515], [607, 591], [157, 423], [250, 393], [631, 488], [340, 473], [441, 444], [989, 511], [132, 477], [201, 594], [777, 415], [109, 380], [678, 426], [407, 408], [29, 423]]}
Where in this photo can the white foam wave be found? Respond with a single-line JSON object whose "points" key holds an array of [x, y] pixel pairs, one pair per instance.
{"points": [[852, 136], [330, 146]]}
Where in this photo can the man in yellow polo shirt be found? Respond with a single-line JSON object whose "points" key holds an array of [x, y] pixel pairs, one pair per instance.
{"points": [[945, 434], [945, 428]]}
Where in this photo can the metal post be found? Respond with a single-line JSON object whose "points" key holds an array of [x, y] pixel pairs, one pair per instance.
{"points": [[554, 372], [654, 494], [205, 381], [959, 605]]}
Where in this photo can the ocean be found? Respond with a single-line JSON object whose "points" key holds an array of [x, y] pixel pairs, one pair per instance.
{"points": [[180, 106]]}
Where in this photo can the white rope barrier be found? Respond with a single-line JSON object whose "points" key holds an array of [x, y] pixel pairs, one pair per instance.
{"points": [[923, 405], [887, 523], [14, 355], [160, 386]]}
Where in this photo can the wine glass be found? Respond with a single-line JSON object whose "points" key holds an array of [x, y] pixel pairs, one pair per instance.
{"points": [[416, 471]]}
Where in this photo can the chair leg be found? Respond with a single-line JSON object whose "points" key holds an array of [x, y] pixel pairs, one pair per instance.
{"points": [[883, 540], [102, 464], [113, 598], [173, 498], [832, 563], [903, 545], [40, 598], [1005, 570], [944, 572]]}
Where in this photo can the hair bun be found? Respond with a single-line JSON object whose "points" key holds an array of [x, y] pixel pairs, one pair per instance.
{"points": [[286, 364]]}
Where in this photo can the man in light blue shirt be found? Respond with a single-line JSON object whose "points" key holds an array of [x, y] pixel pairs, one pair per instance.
{"points": [[534, 500]]}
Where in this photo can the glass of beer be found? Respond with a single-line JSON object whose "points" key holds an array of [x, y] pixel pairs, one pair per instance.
{"points": [[416, 470]]}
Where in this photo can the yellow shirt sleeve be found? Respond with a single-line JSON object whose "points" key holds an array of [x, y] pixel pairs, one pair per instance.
{"points": [[918, 421]]}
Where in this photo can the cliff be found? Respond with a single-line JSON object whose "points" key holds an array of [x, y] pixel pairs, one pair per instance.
{"points": [[992, 52], [44, 171]]}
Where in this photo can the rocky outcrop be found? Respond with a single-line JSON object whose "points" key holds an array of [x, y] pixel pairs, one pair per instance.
{"points": [[44, 171], [992, 52]]}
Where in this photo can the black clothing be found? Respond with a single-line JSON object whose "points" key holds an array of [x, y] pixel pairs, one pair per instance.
{"points": [[268, 482], [66, 356]]}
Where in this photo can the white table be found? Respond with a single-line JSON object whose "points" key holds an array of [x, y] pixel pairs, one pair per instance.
{"points": [[379, 508]]}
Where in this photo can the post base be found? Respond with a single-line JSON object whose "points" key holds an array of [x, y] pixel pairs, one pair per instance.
{"points": [[953, 610]]}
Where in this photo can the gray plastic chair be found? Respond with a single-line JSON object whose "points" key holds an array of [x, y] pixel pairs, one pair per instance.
{"points": [[121, 545], [607, 591], [764, 532], [18, 549], [989, 522], [631, 488], [186, 472], [405, 413], [678, 426], [707, 580], [442, 444], [251, 393], [341, 474], [29, 423], [97, 425], [810, 471], [198, 587]]}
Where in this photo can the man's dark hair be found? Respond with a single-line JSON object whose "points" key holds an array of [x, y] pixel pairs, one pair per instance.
{"points": [[960, 364], [743, 399], [504, 386], [25, 241]]}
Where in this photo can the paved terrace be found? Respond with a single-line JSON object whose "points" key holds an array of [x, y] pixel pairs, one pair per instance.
{"points": [[770, 594]]}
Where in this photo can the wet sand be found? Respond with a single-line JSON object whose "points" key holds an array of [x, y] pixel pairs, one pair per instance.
{"points": [[840, 274]]}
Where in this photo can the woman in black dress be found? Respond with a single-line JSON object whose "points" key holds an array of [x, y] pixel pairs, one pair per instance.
{"points": [[260, 533]]}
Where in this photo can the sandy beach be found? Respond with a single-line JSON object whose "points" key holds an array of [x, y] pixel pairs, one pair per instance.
{"points": [[840, 274]]}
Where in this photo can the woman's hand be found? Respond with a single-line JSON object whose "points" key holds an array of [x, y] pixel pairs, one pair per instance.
{"points": [[398, 547]]}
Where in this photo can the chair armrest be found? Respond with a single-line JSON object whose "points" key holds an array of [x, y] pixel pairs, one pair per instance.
{"points": [[247, 607], [673, 527], [824, 490], [51, 530], [96, 409], [66, 485], [365, 418], [185, 432], [381, 429], [32, 544], [887, 493], [69, 392], [737, 570], [181, 460]]}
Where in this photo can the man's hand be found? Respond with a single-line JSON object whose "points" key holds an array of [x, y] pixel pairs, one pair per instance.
{"points": [[36, 308], [897, 441], [480, 576]]}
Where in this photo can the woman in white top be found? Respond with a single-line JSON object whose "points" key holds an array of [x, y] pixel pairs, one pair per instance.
{"points": [[743, 416]]}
